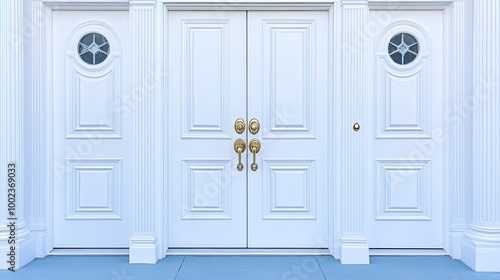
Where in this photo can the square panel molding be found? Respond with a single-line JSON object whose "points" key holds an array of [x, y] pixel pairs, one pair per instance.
{"points": [[93, 189], [206, 189], [403, 189], [289, 189]]}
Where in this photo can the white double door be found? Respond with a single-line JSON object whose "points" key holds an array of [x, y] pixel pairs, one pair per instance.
{"points": [[268, 66]]}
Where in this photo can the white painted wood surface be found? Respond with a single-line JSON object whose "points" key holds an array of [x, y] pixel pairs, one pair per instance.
{"points": [[92, 136], [406, 101]]}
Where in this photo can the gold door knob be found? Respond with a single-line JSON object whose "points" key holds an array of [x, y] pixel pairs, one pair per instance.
{"points": [[254, 126], [239, 126], [239, 147], [254, 148], [356, 127]]}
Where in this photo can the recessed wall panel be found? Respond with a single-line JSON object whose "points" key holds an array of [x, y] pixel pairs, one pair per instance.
{"points": [[205, 78], [93, 100], [289, 56], [403, 107]]}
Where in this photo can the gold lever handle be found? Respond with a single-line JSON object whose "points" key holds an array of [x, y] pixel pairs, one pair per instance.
{"points": [[254, 148], [239, 147]]}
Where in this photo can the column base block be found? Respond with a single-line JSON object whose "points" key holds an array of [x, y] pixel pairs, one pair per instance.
{"points": [[481, 256], [143, 250], [354, 254]]}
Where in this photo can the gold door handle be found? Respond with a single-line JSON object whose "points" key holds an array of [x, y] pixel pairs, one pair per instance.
{"points": [[239, 147], [254, 148]]}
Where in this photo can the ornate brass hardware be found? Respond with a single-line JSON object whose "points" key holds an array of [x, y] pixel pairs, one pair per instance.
{"points": [[239, 147], [239, 126], [254, 126], [254, 148], [356, 127]]}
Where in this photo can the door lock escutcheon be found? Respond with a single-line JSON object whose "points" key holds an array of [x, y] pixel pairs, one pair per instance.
{"points": [[239, 126], [254, 126]]}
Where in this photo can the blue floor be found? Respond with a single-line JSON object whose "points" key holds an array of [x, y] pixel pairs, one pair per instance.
{"points": [[245, 268]]}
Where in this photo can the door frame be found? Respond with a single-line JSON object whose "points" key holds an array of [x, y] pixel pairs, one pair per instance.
{"points": [[327, 7], [38, 205], [456, 119]]}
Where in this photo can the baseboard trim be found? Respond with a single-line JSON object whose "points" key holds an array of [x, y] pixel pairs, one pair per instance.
{"points": [[408, 252], [89, 252], [245, 251]]}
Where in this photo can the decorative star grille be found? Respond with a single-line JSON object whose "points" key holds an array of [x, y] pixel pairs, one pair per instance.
{"points": [[93, 48], [403, 48]]}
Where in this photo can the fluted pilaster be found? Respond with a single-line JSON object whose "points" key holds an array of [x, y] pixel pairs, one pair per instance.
{"points": [[354, 247], [144, 239], [481, 247], [12, 136], [456, 151], [39, 168]]}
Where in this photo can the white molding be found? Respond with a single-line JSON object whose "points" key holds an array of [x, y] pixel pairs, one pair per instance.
{"points": [[143, 244], [248, 5], [249, 252], [87, 5], [39, 149], [455, 152], [89, 252], [409, 4], [352, 198], [407, 252]]}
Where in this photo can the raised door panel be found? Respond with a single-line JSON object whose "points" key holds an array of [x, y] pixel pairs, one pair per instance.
{"points": [[206, 94]]}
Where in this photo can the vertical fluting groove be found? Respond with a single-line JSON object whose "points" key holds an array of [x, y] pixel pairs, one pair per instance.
{"points": [[353, 72], [456, 149], [144, 182], [3, 103], [37, 119], [486, 183], [11, 99]]}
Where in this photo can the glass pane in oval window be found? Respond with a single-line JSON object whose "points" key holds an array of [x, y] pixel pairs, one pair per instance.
{"points": [[93, 48], [403, 48]]}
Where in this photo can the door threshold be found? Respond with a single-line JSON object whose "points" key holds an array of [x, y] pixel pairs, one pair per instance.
{"points": [[408, 252], [89, 252], [248, 251]]}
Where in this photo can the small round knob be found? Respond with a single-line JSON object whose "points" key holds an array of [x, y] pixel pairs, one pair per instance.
{"points": [[254, 166], [356, 127]]}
